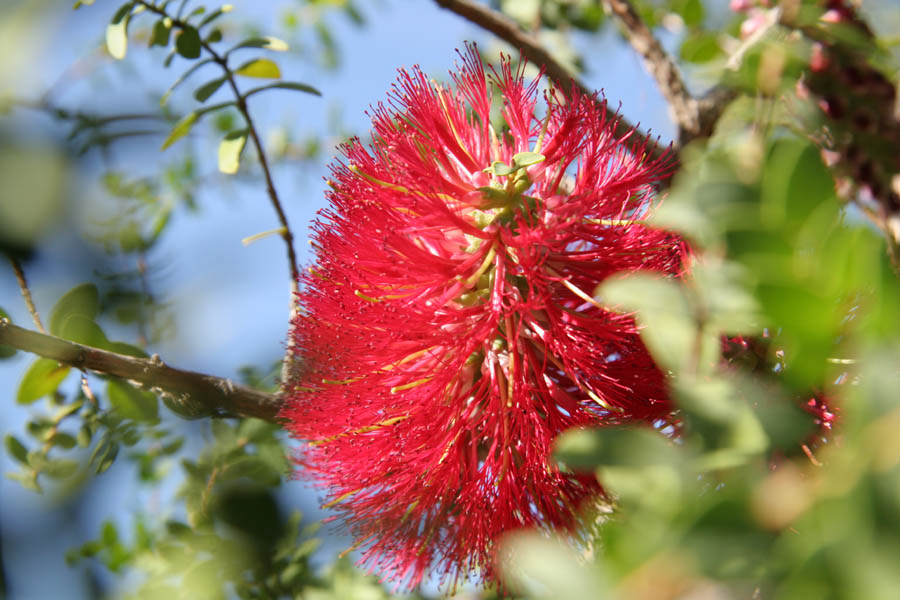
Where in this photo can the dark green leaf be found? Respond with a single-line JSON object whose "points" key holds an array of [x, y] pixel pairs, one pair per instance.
{"points": [[160, 34], [41, 379], [209, 88], [5, 351], [131, 402], [269, 43], [230, 150], [83, 300], [214, 36], [105, 454], [285, 85], [261, 68], [16, 449], [187, 43]]}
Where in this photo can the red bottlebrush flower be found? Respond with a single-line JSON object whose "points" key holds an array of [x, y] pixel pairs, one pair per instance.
{"points": [[447, 332]]}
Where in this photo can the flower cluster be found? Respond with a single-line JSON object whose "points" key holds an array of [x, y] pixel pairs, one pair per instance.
{"points": [[448, 330]]}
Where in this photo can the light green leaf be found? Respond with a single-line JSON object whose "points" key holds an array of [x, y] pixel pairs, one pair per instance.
{"points": [[285, 85], [131, 402], [180, 130], [41, 379], [81, 330], [669, 329], [60, 468], [230, 150], [83, 300], [526, 159], [81, 3], [545, 568], [262, 68], [187, 43], [208, 89], [117, 32]]}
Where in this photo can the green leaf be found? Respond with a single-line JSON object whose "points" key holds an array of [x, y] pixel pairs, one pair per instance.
{"points": [[105, 455], [66, 441], [160, 34], [269, 43], [81, 3], [230, 150], [16, 449], [214, 36], [670, 330], [261, 68], [181, 129], [41, 379], [81, 330], [82, 300], [498, 167], [587, 449], [208, 89], [126, 349], [28, 480], [700, 48], [131, 402], [60, 468], [117, 32], [6, 351], [187, 43], [285, 85]]}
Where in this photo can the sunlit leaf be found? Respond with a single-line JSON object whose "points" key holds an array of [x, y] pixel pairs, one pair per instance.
{"points": [[262, 68], [230, 150], [117, 32], [180, 130], [41, 378], [269, 43]]}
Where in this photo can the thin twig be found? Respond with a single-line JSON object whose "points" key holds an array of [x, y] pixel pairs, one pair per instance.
{"points": [[241, 103], [507, 30], [26, 293], [661, 67], [218, 396]]}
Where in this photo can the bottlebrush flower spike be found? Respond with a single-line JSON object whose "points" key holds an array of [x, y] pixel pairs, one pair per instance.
{"points": [[447, 332]]}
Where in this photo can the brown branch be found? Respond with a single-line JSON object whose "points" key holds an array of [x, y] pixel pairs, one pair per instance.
{"points": [[26, 293], [660, 66], [215, 395], [507, 30]]}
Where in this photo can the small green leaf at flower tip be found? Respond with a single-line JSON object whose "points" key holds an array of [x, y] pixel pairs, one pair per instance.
{"points": [[180, 129], [526, 159], [261, 68], [230, 150], [498, 167]]}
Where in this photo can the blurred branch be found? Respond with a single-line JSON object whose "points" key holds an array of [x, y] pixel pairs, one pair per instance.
{"points": [[26, 293], [531, 48], [661, 66], [216, 395]]}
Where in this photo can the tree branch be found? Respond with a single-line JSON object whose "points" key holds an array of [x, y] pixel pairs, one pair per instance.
{"points": [[661, 66], [507, 30], [215, 395]]}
